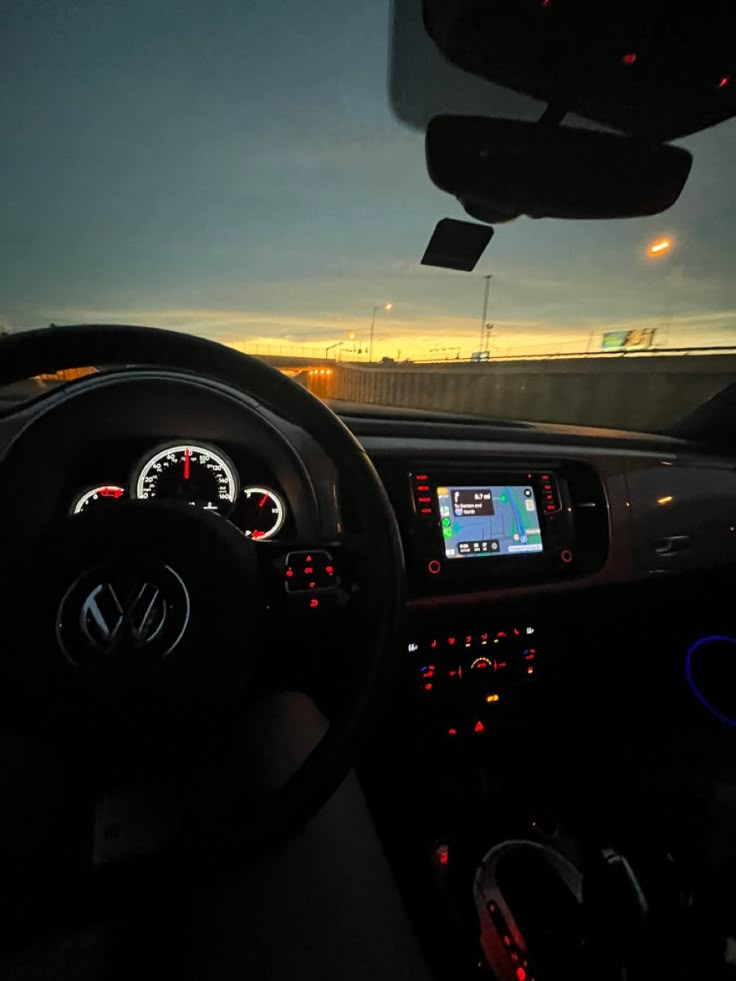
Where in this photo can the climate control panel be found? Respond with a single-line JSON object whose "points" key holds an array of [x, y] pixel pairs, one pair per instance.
{"points": [[466, 678]]}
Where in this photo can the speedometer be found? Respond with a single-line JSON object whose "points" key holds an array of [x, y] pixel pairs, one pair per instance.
{"points": [[197, 475]]}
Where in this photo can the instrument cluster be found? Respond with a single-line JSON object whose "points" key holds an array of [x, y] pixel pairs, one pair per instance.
{"points": [[198, 474]]}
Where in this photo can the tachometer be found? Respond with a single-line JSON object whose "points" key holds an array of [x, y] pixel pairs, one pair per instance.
{"points": [[263, 513], [198, 475], [97, 496]]}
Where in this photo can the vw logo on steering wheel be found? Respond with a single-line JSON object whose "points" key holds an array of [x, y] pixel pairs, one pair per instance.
{"points": [[108, 624], [113, 613]]}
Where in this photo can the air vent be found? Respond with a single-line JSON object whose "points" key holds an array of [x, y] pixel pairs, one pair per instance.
{"points": [[590, 509]]}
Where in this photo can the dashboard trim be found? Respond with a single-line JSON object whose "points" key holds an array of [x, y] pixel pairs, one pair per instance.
{"points": [[626, 474]]}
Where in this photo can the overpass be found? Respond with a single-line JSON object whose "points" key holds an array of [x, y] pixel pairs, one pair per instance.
{"points": [[288, 362]]}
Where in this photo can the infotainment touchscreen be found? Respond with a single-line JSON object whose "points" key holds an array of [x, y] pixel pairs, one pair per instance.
{"points": [[484, 521]]}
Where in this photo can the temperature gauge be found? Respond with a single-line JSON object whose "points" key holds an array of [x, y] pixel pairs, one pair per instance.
{"points": [[97, 497]]}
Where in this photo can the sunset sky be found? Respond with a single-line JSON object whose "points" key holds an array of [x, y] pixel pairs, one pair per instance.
{"points": [[234, 168]]}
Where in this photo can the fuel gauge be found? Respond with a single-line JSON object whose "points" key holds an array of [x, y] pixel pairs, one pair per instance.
{"points": [[263, 513]]}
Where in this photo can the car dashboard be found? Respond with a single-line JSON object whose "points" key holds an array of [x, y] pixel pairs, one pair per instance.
{"points": [[509, 529], [566, 651]]}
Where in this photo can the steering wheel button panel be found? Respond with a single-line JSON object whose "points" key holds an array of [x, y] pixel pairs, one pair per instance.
{"points": [[308, 571]]}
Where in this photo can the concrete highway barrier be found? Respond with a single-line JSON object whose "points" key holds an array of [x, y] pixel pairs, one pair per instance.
{"points": [[631, 392]]}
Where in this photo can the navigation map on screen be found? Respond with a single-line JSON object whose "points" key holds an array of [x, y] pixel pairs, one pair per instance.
{"points": [[482, 521]]}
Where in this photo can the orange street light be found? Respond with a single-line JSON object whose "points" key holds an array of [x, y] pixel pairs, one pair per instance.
{"points": [[659, 247]]}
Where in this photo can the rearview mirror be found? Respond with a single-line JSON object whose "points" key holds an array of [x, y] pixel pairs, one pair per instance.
{"points": [[500, 169], [650, 68]]}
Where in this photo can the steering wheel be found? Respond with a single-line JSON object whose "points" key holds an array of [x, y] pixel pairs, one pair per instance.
{"points": [[180, 653]]}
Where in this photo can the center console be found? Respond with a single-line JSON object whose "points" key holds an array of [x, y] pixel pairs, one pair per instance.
{"points": [[480, 527], [551, 766]]}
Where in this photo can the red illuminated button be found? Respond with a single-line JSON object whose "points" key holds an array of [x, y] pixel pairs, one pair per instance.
{"points": [[423, 494], [309, 603], [434, 567], [566, 556], [479, 727]]}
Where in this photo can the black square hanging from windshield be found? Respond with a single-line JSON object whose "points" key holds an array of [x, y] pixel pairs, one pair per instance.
{"points": [[457, 244]]}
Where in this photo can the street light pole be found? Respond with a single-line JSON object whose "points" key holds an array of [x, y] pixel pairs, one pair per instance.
{"points": [[485, 312], [370, 345], [383, 306]]}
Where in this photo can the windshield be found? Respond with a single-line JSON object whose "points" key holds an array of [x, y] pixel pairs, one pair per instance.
{"points": [[236, 170]]}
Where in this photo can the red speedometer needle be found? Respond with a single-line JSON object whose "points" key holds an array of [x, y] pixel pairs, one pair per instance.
{"points": [[263, 500], [186, 464]]}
